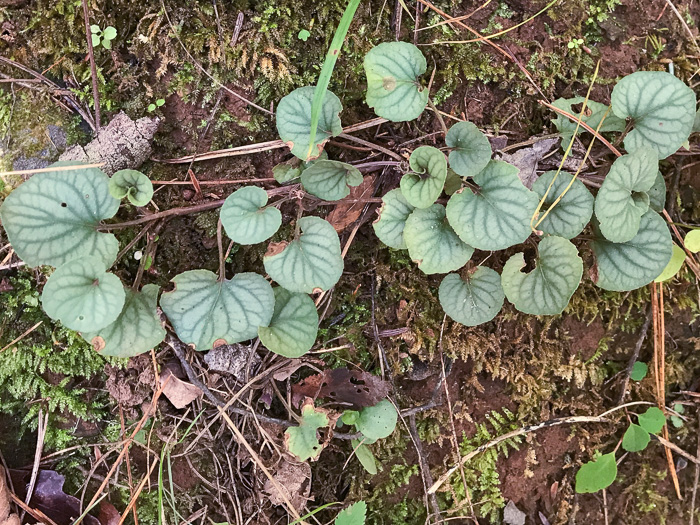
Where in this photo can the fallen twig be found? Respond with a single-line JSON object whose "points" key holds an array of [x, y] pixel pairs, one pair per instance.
{"points": [[93, 66]]}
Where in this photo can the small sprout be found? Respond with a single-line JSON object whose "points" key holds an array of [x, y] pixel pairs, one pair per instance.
{"points": [[653, 420], [677, 421], [575, 43], [304, 35], [102, 37]]}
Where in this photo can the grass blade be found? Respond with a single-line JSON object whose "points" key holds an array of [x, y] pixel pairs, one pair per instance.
{"points": [[328, 66]]}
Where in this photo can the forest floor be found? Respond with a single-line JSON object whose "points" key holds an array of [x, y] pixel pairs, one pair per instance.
{"points": [[73, 408]]}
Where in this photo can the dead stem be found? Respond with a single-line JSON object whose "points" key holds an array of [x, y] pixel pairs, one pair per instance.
{"points": [[439, 116], [93, 67]]}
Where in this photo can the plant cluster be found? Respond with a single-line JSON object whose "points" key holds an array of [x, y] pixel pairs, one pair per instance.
{"points": [[444, 210]]}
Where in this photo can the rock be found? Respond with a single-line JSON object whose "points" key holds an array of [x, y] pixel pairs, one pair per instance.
{"points": [[122, 144]]}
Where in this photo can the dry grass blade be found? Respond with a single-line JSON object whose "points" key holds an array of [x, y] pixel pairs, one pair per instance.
{"points": [[93, 66], [52, 168], [137, 493], [510, 435], [659, 323], [20, 337]]}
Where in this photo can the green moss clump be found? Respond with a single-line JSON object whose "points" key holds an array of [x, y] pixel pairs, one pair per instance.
{"points": [[48, 369]]}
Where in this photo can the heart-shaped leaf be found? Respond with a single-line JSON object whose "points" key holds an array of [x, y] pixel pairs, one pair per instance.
{"points": [[294, 121], [206, 312], [471, 150], [294, 325], [354, 514], [330, 180], [637, 262], [302, 441], [137, 329], [635, 439], [82, 295], [653, 420], [393, 88], [592, 115], [310, 263], [498, 215], [622, 199], [422, 186], [390, 224], [432, 243], [133, 185], [546, 290], [474, 300], [662, 109], [378, 421], [673, 266], [52, 217], [571, 214], [596, 475], [639, 371], [657, 193], [247, 219]]}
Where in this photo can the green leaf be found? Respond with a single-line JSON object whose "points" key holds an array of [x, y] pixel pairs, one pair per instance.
{"points": [[471, 150], [82, 295], [247, 219], [432, 243], [662, 108], [635, 439], [206, 312], [330, 180], [422, 186], [294, 325], [622, 199], [639, 371], [635, 263], [354, 514], [379, 421], [304, 35], [657, 193], [692, 241], [52, 217], [349, 417], [133, 185], [294, 121], [160, 102], [653, 420], [393, 88], [473, 301], [596, 475], [151, 107], [95, 38], [546, 290], [572, 213], [310, 263], [302, 441], [594, 112], [496, 217], [109, 33], [107, 44], [390, 224], [365, 456], [94, 28], [673, 266], [453, 182], [287, 170], [137, 329]]}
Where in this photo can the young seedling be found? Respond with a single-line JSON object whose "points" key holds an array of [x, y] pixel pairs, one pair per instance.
{"points": [[102, 37]]}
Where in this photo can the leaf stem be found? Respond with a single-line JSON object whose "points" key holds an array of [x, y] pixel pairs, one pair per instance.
{"points": [[439, 116]]}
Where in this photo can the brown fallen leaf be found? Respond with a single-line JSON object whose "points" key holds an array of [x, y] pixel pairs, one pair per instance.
{"points": [[49, 498], [6, 518], [108, 514], [345, 213], [178, 392], [295, 479], [356, 389]]}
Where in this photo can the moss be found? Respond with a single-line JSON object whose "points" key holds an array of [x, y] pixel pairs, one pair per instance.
{"points": [[49, 369]]}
